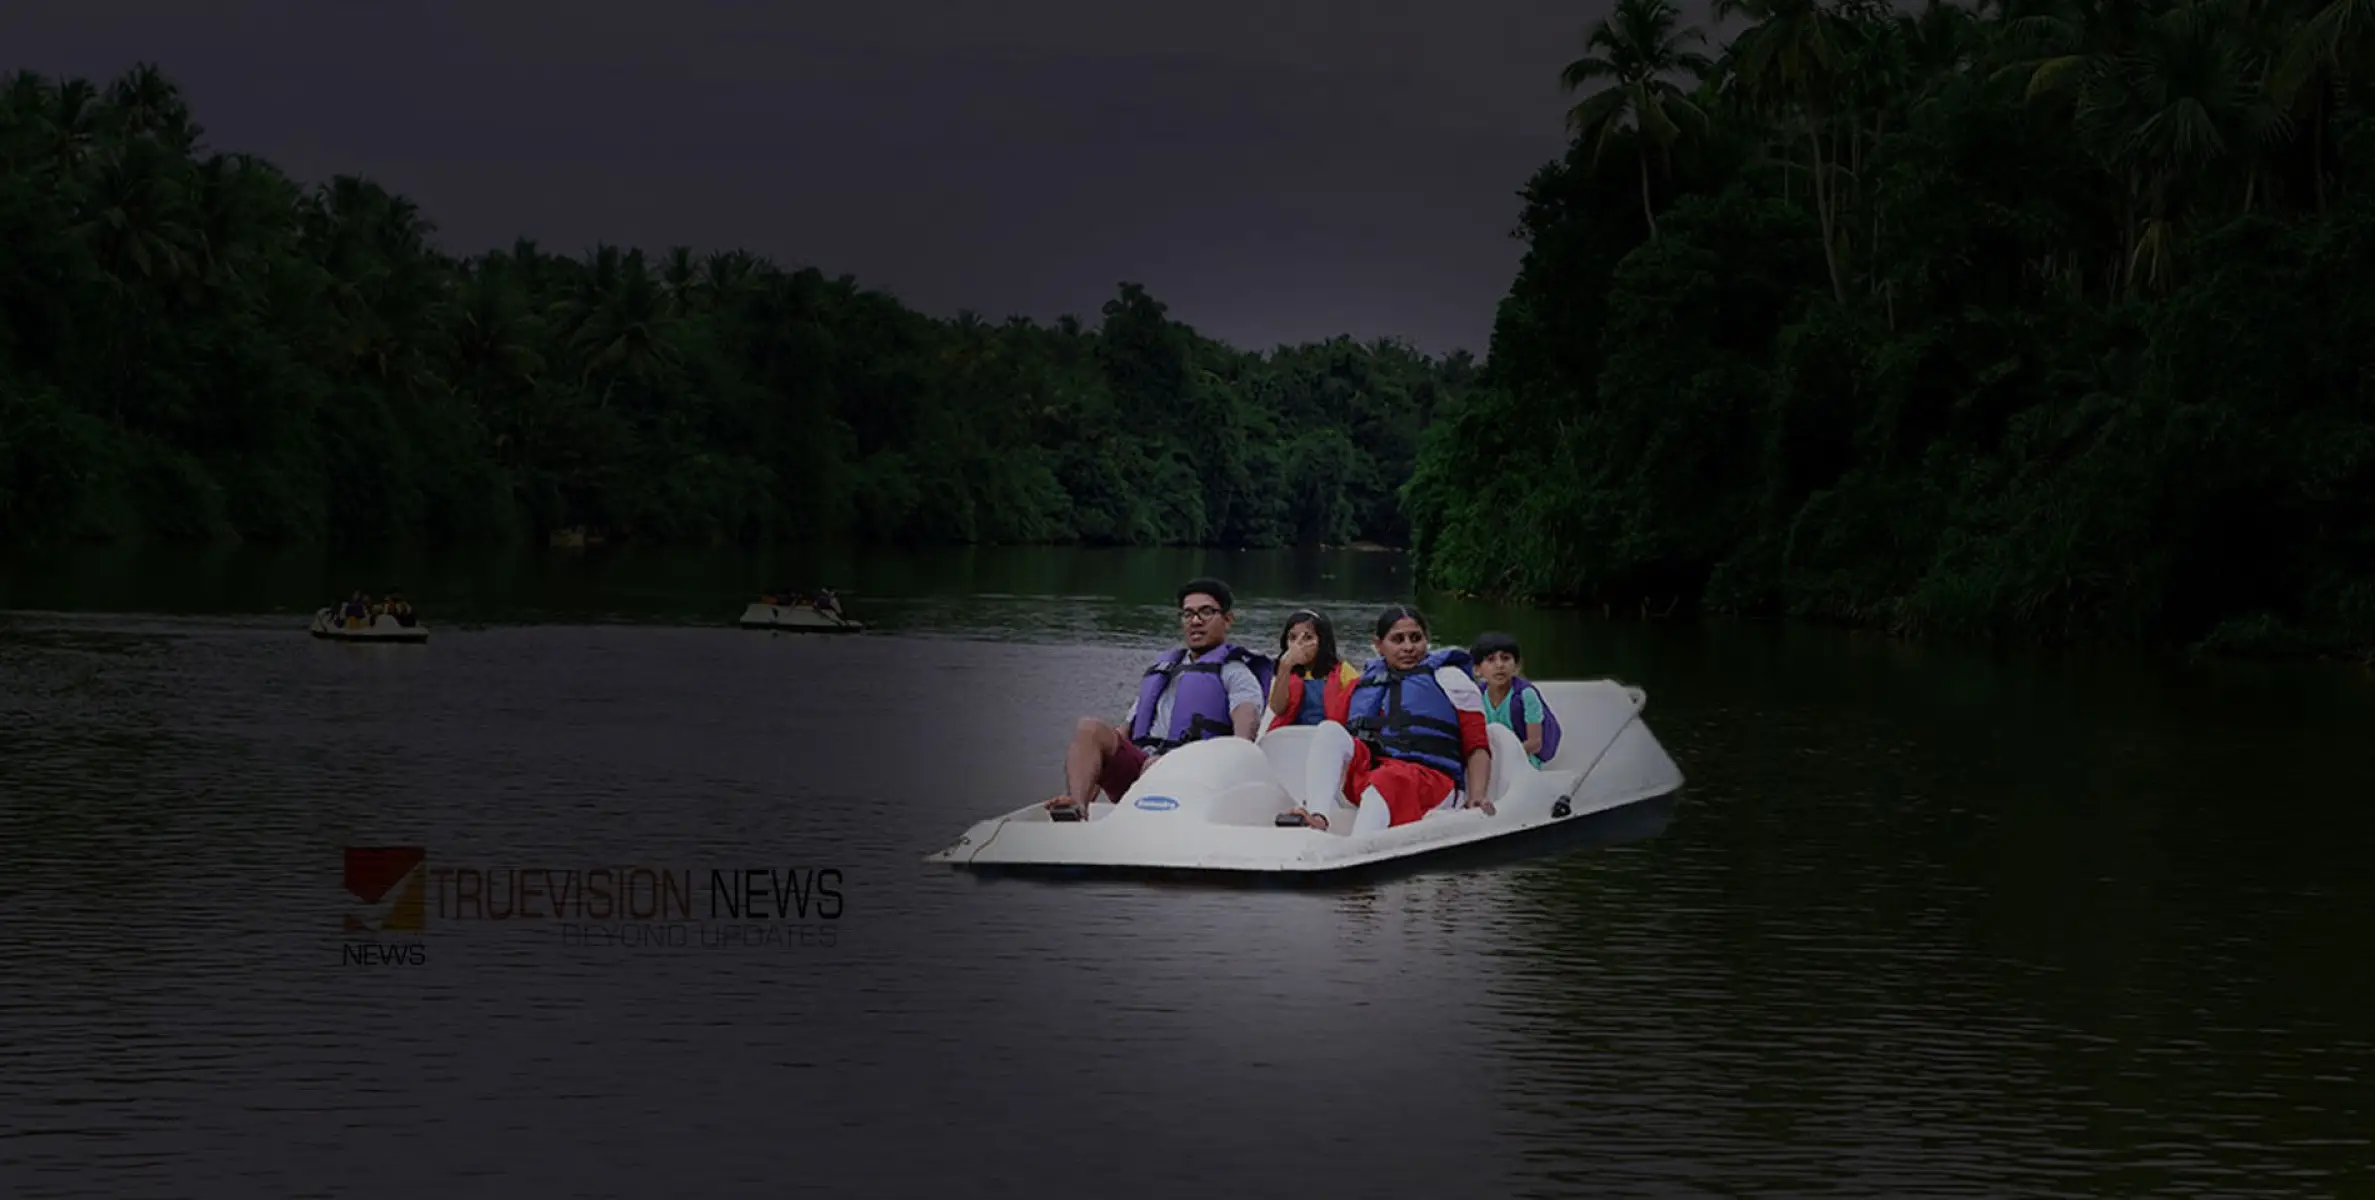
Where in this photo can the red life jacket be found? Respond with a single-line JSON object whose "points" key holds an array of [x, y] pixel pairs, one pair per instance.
{"points": [[1335, 702]]}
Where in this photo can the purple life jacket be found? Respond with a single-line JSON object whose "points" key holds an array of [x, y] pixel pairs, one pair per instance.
{"points": [[1518, 687], [1200, 707]]}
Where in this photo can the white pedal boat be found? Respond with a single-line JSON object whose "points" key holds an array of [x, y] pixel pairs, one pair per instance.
{"points": [[383, 628], [1212, 805], [796, 616]]}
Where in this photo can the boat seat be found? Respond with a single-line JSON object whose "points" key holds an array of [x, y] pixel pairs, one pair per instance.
{"points": [[1509, 758]]}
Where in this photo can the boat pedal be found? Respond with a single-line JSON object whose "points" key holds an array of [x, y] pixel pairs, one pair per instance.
{"points": [[1289, 820], [1063, 812]]}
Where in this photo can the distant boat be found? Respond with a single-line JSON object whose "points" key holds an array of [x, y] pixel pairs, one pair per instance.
{"points": [[798, 618], [380, 628]]}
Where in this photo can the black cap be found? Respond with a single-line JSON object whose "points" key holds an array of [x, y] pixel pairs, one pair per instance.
{"points": [[1211, 587]]}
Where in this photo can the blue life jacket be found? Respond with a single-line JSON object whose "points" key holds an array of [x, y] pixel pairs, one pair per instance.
{"points": [[1200, 707], [1518, 688], [1406, 715]]}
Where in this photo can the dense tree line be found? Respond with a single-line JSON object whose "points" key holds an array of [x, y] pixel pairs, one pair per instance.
{"points": [[2052, 317], [192, 345]]}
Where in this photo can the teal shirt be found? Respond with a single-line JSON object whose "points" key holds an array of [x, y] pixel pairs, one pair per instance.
{"points": [[1498, 714]]}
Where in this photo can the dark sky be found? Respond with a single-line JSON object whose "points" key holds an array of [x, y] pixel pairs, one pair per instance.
{"points": [[1274, 170]]}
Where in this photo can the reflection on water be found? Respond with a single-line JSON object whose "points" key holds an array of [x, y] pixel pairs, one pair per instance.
{"points": [[1925, 922]]}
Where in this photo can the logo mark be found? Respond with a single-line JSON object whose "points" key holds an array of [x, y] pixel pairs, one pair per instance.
{"points": [[1157, 803], [373, 874]]}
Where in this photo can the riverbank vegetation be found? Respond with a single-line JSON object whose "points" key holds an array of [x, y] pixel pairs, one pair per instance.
{"points": [[2041, 318], [2049, 318], [195, 346]]}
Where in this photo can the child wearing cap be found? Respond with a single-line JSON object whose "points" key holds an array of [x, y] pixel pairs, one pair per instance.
{"points": [[1511, 699]]}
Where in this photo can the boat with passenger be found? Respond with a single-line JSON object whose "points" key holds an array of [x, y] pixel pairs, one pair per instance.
{"points": [[359, 618], [1224, 804], [799, 612]]}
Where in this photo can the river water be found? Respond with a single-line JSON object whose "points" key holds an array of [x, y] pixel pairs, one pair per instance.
{"points": [[1926, 921]]}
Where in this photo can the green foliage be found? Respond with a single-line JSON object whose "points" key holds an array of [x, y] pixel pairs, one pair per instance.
{"points": [[2046, 319], [194, 346]]}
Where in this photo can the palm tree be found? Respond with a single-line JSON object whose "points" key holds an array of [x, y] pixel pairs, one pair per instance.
{"points": [[2192, 99], [2158, 93], [2334, 43], [1794, 57], [622, 328], [1637, 50]]}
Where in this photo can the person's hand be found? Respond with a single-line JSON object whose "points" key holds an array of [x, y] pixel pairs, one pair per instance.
{"points": [[1299, 654]]}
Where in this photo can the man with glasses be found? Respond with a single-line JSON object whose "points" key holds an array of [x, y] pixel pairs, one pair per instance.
{"points": [[1211, 688]]}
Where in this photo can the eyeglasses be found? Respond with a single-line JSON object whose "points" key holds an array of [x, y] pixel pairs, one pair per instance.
{"points": [[1204, 613]]}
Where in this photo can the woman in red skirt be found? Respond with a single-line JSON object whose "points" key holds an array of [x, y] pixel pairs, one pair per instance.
{"points": [[1413, 741]]}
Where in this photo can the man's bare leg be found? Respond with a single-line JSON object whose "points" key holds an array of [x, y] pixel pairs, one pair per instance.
{"points": [[1093, 741]]}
